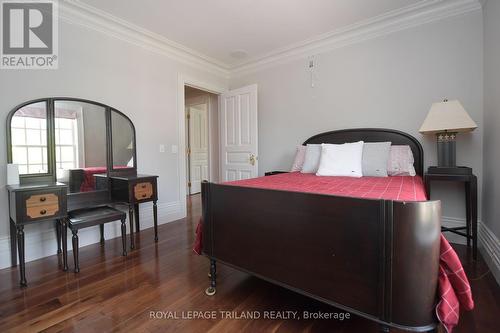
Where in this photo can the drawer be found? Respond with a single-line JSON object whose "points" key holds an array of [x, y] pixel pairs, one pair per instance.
{"points": [[42, 211], [41, 200], [42, 205], [143, 191]]}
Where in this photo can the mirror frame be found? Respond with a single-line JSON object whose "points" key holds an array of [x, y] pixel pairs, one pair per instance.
{"points": [[50, 176]]}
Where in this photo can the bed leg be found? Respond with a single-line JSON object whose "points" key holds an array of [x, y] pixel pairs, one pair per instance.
{"points": [[384, 328], [210, 291]]}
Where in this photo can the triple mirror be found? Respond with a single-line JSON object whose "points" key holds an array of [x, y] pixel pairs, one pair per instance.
{"points": [[71, 141]]}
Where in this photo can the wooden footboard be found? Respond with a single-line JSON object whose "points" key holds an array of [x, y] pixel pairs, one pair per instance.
{"points": [[375, 258]]}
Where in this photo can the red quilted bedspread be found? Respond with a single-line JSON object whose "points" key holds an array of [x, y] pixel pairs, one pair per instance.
{"points": [[454, 288], [402, 188]]}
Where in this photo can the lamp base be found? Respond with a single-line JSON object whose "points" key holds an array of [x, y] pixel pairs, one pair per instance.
{"points": [[458, 170], [446, 149]]}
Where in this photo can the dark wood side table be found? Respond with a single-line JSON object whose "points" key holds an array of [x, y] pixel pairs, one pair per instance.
{"points": [[470, 181], [134, 190], [33, 204]]}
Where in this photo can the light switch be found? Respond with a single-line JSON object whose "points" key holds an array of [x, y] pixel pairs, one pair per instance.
{"points": [[175, 149], [162, 148]]}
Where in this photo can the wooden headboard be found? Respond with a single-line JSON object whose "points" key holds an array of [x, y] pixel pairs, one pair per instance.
{"points": [[373, 135]]}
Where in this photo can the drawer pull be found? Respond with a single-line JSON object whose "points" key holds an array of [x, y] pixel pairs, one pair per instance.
{"points": [[144, 186], [43, 212], [43, 199], [144, 195]]}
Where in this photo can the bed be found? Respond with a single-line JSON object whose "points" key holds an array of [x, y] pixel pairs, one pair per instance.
{"points": [[364, 251]]}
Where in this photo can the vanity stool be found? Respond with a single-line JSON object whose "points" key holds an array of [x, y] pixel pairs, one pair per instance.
{"points": [[89, 217]]}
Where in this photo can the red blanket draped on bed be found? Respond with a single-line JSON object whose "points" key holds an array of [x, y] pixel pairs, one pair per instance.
{"points": [[454, 287]]}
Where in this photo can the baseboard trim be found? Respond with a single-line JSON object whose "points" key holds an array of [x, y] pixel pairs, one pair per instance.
{"points": [[489, 246], [42, 242]]}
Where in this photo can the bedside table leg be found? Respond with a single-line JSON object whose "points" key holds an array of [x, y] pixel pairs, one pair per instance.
{"points": [[468, 216], [474, 216], [20, 249], [131, 220], [155, 218]]}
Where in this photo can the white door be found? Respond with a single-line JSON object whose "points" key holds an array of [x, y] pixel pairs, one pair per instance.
{"points": [[198, 146], [238, 134]]}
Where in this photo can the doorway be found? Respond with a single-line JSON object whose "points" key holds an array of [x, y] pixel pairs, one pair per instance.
{"points": [[202, 138]]}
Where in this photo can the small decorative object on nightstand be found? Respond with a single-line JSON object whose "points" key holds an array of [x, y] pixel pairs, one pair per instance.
{"points": [[470, 181], [445, 120]]}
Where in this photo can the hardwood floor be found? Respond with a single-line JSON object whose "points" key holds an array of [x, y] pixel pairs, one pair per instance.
{"points": [[137, 293]]}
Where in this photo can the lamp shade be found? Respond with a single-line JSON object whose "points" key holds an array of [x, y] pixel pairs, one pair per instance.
{"points": [[447, 116]]}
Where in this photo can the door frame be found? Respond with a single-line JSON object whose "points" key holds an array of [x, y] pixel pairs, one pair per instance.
{"points": [[211, 87]]}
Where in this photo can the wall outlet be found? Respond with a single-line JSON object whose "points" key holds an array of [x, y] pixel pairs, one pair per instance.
{"points": [[175, 149], [162, 148]]}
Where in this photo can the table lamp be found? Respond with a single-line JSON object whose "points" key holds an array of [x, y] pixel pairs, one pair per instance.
{"points": [[445, 120]]}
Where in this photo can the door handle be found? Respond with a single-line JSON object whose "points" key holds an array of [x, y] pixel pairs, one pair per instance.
{"points": [[253, 159]]}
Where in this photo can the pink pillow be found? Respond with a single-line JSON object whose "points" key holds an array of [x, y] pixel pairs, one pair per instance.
{"points": [[298, 162]]}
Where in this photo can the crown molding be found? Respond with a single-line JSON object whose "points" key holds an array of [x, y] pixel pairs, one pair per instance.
{"points": [[76, 12], [423, 12]]}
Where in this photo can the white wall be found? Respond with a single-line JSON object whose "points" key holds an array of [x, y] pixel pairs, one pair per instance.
{"points": [[387, 82], [491, 209], [141, 84]]}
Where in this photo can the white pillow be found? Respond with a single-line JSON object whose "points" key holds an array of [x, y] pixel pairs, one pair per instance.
{"points": [[311, 160], [341, 160], [401, 161], [300, 156]]}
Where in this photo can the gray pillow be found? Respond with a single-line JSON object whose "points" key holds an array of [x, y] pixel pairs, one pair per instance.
{"points": [[375, 157], [311, 161]]}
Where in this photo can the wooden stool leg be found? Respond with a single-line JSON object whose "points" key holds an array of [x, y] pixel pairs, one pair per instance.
{"points": [[124, 236], [75, 249], [101, 227]]}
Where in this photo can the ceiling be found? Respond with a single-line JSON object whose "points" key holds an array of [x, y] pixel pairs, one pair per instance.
{"points": [[235, 32]]}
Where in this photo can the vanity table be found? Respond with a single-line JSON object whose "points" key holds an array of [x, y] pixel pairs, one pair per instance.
{"points": [[72, 154]]}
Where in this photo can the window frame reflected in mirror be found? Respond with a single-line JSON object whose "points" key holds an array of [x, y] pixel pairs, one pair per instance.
{"points": [[122, 171], [51, 175]]}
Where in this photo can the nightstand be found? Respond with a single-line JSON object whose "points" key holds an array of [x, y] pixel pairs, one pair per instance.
{"points": [[470, 182], [33, 204]]}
